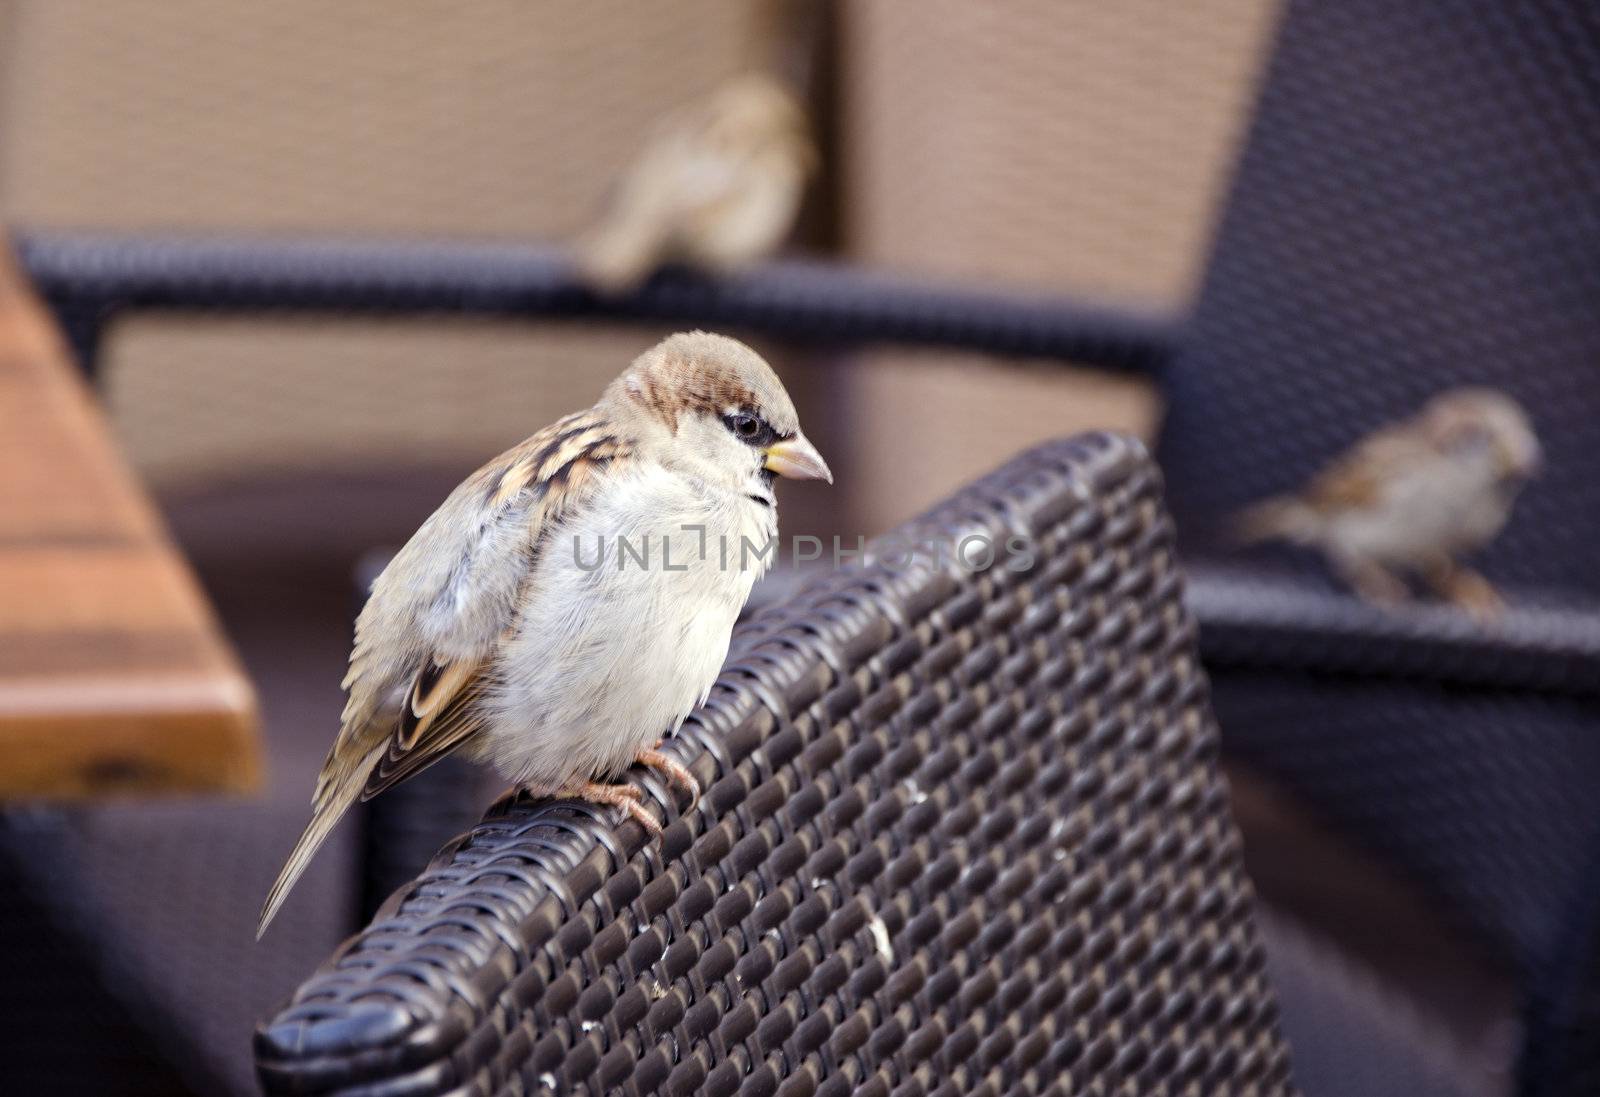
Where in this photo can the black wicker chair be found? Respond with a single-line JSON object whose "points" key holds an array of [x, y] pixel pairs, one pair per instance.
{"points": [[159, 922], [963, 832], [1418, 206]]}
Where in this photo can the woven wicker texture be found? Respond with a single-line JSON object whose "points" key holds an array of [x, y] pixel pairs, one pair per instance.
{"points": [[1418, 206], [1267, 621], [1486, 797], [1467, 755], [149, 909], [1472, 775], [65, 1033], [1353, 1034], [962, 833]]}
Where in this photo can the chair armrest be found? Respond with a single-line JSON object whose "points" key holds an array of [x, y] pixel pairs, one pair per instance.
{"points": [[1267, 621], [90, 277], [1461, 753]]}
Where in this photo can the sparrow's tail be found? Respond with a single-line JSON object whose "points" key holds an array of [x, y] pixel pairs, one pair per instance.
{"points": [[622, 251], [1284, 518], [324, 816]]}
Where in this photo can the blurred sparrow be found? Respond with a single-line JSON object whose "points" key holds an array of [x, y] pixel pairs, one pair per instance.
{"points": [[1411, 498], [717, 186], [573, 599]]}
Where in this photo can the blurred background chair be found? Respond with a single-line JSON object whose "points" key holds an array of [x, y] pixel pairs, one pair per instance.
{"points": [[960, 828], [1414, 206], [1418, 206]]}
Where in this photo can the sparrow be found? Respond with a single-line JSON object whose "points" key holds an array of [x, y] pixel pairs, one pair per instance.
{"points": [[572, 600], [717, 185], [1410, 499]]}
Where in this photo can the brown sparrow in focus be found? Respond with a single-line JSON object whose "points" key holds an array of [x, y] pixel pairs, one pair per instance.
{"points": [[1411, 498], [573, 599], [718, 185]]}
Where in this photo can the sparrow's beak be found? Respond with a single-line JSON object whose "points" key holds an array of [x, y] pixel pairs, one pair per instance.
{"points": [[797, 459], [1524, 460], [1533, 460]]}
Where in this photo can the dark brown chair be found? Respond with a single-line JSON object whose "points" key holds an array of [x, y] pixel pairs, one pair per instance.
{"points": [[963, 832]]}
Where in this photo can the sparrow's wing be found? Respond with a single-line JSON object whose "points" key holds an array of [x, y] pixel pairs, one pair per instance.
{"points": [[699, 166], [426, 640], [681, 169], [446, 603], [711, 156], [1358, 477], [439, 713], [1355, 480]]}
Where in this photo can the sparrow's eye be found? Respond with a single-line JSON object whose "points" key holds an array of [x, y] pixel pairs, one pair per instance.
{"points": [[749, 428], [1471, 439]]}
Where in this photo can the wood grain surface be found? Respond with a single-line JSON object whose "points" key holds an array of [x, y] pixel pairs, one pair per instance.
{"points": [[114, 676]]}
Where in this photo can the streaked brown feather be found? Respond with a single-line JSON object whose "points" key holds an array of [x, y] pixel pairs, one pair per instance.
{"points": [[686, 383], [395, 725], [1358, 476], [558, 465], [440, 712], [435, 687], [697, 170]]}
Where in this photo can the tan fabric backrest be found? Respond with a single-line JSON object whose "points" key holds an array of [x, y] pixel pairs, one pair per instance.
{"points": [[1075, 146], [503, 117], [499, 119]]}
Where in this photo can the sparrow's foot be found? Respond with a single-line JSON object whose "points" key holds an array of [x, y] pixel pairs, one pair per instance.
{"points": [[626, 797], [675, 772], [1475, 594], [1376, 584], [1465, 588]]}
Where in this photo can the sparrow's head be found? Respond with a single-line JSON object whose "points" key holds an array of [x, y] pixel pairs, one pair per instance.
{"points": [[757, 113], [719, 411], [1482, 424]]}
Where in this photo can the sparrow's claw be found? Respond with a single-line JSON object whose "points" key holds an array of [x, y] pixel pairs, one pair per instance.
{"points": [[1376, 584], [626, 797], [674, 770], [1465, 588], [1475, 594]]}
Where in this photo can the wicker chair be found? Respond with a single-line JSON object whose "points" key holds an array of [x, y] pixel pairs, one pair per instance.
{"points": [[1416, 207], [962, 832], [94, 278]]}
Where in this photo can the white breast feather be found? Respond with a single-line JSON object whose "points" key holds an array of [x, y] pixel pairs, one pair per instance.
{"points": [[1439, 506], [610, 655]]}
